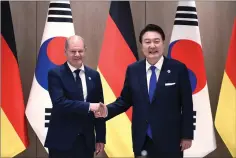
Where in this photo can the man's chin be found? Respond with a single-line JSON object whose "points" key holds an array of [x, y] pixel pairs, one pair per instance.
{"points": [[77, 64], [153, 58]]}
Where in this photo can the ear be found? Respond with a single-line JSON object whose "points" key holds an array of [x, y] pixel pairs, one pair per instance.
{"points": [[65, 52]]}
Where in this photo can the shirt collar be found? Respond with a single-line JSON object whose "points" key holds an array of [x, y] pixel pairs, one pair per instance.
{"points": [[72, 68], [158, 65]]}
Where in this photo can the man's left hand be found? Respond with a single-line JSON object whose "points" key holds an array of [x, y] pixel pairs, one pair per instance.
{"points": [[99, 148], [185, 144]]}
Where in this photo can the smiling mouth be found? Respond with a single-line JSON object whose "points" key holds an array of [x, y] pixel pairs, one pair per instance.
{"points": [[152, 52]]}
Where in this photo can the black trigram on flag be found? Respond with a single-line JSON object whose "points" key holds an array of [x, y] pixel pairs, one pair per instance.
{"points": [[47, 116], [194, 120], [59, 12], [186, 15]]}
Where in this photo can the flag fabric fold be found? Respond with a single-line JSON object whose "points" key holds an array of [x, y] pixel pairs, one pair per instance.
{"points": [[185, 46], [58, 26], [118, 51], [225, 120], [14, 135]]}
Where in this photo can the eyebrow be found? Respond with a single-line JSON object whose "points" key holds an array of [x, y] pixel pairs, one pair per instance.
{"points": [[151, 39], [76, 49]]}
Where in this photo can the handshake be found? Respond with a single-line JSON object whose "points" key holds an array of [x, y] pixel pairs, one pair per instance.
{"points": [[99, 109]]}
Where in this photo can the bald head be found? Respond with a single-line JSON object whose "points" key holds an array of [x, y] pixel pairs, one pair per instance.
{"points": [[75, 50], [74, 39]]}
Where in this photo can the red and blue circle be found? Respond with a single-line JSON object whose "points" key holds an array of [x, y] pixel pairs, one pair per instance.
{"points": [[51, 54], [190, 53]]}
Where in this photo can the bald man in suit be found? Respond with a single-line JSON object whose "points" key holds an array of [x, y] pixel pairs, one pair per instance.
{"points": [[75, 91]]}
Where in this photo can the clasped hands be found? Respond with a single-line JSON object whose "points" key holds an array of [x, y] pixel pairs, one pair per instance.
{"points": [[99, 109]]}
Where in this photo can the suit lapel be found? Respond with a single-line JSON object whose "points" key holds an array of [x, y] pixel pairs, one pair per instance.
{"points": [[143, 79], [162, 78]]}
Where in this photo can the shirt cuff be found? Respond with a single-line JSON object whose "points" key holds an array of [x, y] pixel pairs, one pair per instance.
{"points": [[106, 113]]}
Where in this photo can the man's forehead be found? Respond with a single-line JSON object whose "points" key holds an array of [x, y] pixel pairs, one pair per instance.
{"points": [[76, 48], [151, 35], [145, 38]]}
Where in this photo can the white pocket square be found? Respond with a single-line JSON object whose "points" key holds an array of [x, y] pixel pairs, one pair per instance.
{"points": [[169, 84]]}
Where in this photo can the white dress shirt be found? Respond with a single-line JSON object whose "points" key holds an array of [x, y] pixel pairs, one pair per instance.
{"points": [[82, 76], [158, 66]]}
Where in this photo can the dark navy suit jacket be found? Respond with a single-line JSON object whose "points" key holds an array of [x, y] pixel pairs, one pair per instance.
{"points": [[170, 113], [70, 114]]}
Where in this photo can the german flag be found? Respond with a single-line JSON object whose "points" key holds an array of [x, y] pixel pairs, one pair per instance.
{"points": [[118, 51], [225, 120], [13, 124]]}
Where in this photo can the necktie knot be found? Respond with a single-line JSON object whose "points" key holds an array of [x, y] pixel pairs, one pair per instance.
{"points": [[77, 71], [153, 68]]}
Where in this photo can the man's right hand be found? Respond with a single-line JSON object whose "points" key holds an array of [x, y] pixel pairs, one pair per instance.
{"points": [[94, 106]]}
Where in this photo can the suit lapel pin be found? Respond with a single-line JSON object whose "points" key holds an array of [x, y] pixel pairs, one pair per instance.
{"points": [[89, 78], [168, 71]]}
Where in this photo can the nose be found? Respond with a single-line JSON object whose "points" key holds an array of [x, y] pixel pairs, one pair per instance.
{"points": [[77, 53], [152, 45]]}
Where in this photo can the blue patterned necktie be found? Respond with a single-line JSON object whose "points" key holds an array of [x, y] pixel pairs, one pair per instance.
{"points": [[152, 87]]}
